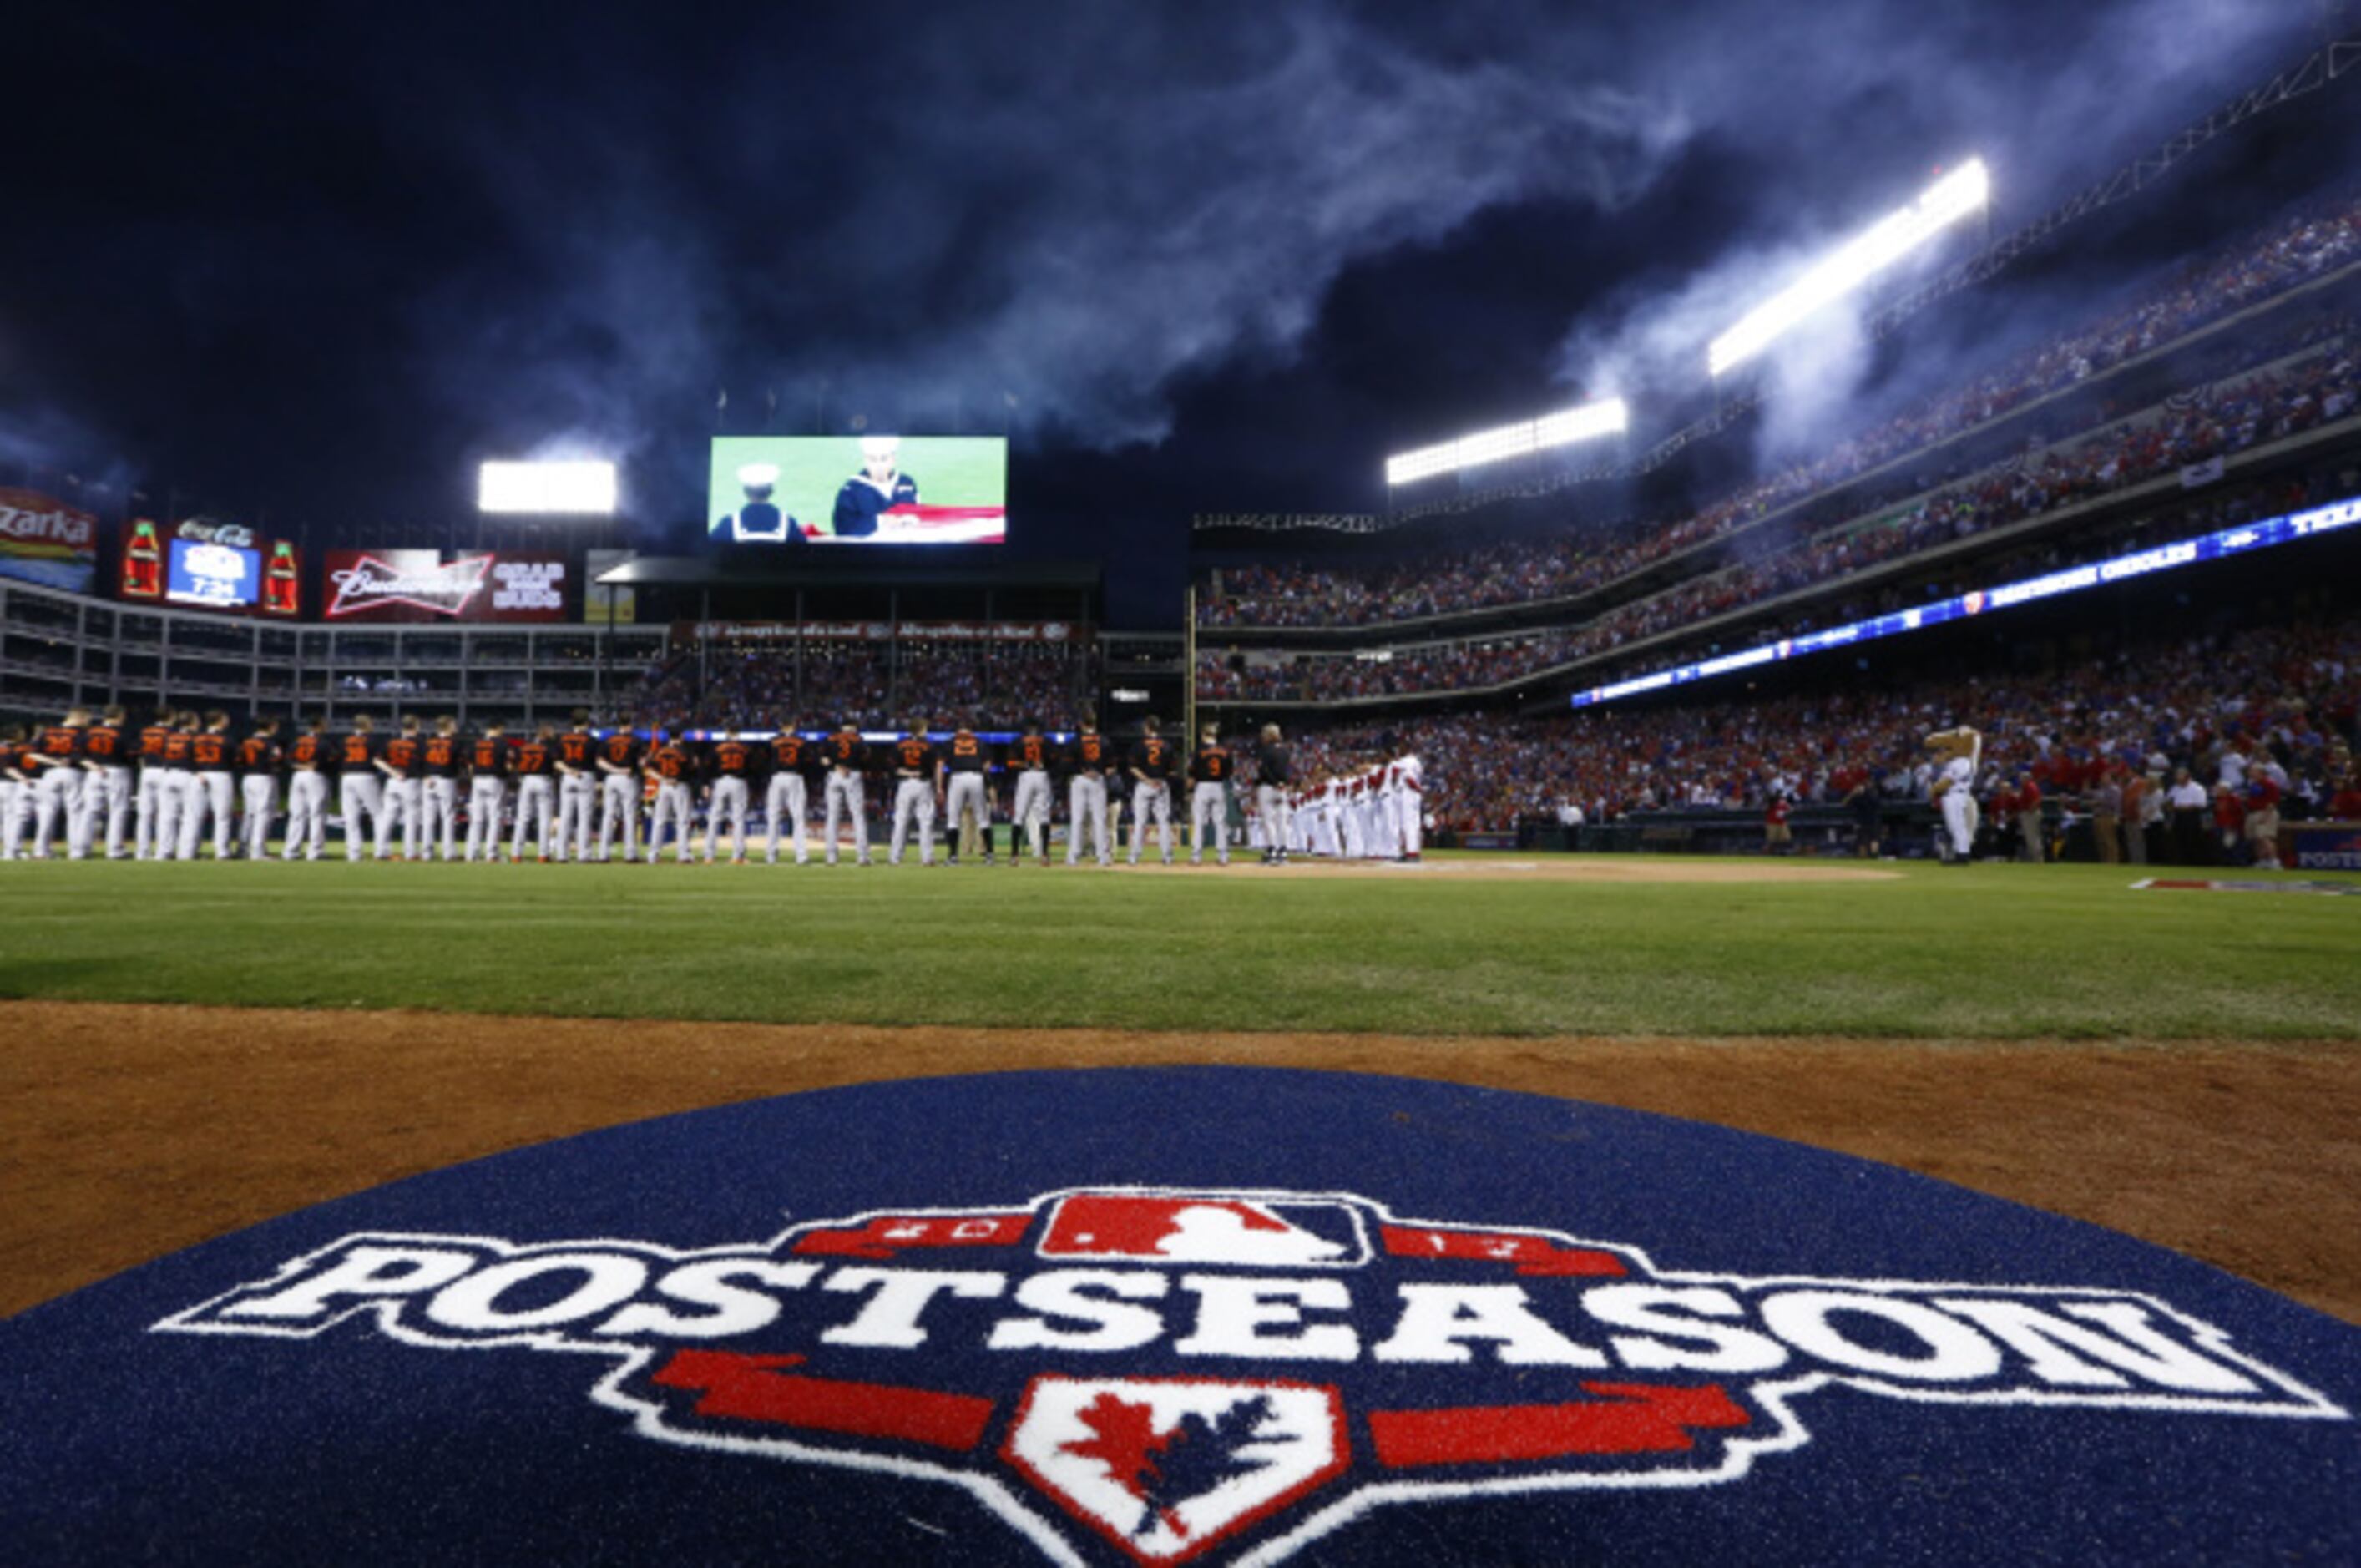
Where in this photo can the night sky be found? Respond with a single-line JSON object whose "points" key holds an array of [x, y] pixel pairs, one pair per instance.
{"points": [[312, 266]]}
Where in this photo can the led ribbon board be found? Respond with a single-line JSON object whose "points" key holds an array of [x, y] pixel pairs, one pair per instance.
{"points": [[2220, 545]]}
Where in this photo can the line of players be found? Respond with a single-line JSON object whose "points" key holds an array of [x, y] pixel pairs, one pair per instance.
{"points": [[90, 782], [1377, 814]]}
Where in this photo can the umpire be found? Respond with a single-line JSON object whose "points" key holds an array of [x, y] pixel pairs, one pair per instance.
{"points": [[1274, 770]]}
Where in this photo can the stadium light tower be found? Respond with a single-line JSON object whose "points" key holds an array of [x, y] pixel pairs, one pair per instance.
{"points": [[547, 489], [1606, 417], [1961, 193]]}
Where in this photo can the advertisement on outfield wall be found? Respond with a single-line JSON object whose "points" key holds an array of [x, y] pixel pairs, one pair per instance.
{"points": [[877, 631], [46, 541], [428, 585], [601, 606]]}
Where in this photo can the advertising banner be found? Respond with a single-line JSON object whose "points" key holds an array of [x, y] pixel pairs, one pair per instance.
{"points": [[425, 586], [876, 630], [46, 541], [599, 605]]}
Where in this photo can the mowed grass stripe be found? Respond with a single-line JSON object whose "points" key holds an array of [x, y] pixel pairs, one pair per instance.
{"points": [[2001, 952]]}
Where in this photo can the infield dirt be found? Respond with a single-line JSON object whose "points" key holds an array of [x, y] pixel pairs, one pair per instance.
{"points": [[128, 1132]]}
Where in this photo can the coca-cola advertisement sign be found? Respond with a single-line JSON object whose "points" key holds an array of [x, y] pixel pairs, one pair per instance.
{"points": [[425, 585]]}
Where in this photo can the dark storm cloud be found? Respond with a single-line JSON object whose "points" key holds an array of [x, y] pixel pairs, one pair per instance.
{"points": [[355, 250]]}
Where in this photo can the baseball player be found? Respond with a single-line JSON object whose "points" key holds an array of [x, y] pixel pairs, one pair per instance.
{"points": [[1030, 758], [443, 759], [1150, 767], [1409, 805], [845, 754], [210, 789], [577, 786], [619, 793], [15, 791], [54, 764], [735, 763], [917, 776], [404, 764], [1274, 769], [1208, 797], [489, 763], [674, 772], [535, 761], [961, 768], [787, 799], [1086, 797], [258, 788], [360, 788], [1958, 752], [307, 792], [107, 758], [150, 807]]}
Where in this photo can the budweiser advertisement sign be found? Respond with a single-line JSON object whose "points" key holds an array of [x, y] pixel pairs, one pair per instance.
{"points": [[425, 586], [46, 541], [878, 630]]}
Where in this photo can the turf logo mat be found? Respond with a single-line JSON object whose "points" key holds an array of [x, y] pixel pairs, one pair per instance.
{"points": [[1160, 1376]]}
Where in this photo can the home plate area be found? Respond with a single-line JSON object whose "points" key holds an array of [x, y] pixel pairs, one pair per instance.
{"points": [[1178, 1315]]}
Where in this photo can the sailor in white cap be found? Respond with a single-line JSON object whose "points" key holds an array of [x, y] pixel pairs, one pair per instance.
{"points": [[758, 521], [880, 484]]}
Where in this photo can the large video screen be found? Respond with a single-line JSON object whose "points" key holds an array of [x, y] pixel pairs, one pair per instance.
{"points": [[858, 489], [212, 575]]}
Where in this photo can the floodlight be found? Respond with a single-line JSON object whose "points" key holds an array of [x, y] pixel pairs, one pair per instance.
{"points": [[1963, 191], [577, 490], [1606, 417]]}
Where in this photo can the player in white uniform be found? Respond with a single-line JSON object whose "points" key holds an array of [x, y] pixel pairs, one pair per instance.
{"points": [[307, 794], [1086, 797], [489, 763], [578, 789], [1409, 805], [1029, 758], [213, 791], [107, 758], [966, 798], [619, 794], [258, 788], [1208, 797], [1958, 752], [675, 772], [787, 800], [845, 755], [1149, 764], [1274, 767], [15, 791], [733, 763], [536, 792], [915, 767], [447, 758]]}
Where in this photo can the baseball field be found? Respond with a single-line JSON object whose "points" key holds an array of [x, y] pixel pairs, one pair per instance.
{"points": [[197, 1046]]}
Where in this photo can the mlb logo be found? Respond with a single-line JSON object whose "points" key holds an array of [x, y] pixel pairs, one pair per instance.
{"points": [[1202, 1228]]}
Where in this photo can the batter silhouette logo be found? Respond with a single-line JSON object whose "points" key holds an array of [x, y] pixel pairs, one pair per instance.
{"points": [[1155, 1376]]}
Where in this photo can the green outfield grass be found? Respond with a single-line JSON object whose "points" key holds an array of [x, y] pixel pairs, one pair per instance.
{"points": [[2000, 951]]}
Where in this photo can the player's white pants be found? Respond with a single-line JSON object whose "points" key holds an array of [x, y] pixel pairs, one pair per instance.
{"points": [[845, 793], [405, 801], [362, 796], [442, 797], [57, 808], [672, 805], [1271, 810], [1385, 830], [109, 791], [729, 805], [1151, 800], [259, 793], [208, 792], [1029, 811], [576, 804], [535, 803], [484, 796], [307, 814], [965, 794], [619, 797], [1959, 818], [785, 802], [913, 797], [1086, 814], [145, 844], [1209, 815], [1410, 818], [15, 811]]}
